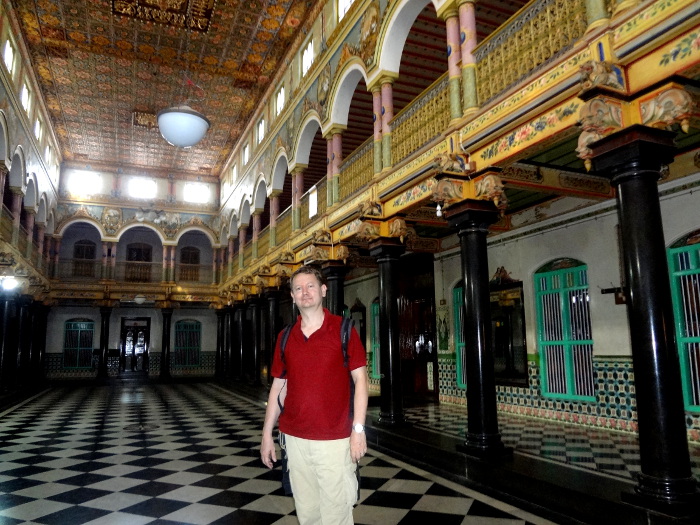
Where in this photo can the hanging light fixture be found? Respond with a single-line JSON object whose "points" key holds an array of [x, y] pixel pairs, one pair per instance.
{"points": [[181, 125]]}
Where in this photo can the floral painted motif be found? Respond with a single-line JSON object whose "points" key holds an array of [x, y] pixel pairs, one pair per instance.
{"points": [[684, 49], [416, 193], [529, 131]]}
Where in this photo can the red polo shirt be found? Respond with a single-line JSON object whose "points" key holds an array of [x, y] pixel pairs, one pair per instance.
{"points": [[318, 401]]}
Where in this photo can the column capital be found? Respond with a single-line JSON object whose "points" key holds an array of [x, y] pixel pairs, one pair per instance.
{"points": [[334, 129], [472, 214], [633, 151], [381, 78], [298, 168], [385, 247], [448, 10]]}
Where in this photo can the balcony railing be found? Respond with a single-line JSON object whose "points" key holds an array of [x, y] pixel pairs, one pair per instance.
{"points": [[264, 241], [421, 121], [194, 273], [139, 272], [284, 226], [78, 270], [6, 224], [357, 170], [535, 35]]}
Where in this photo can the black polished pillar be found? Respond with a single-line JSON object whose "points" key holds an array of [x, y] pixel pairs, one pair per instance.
{"points": [[228, 346], [105, 312], [220, 343], [8, 340], [255, 346], [334, 274], [472, 220], [238, 347], [387, 253], [24, 343], [271, 330], [632, 159], [167, 314], [40, 313]]}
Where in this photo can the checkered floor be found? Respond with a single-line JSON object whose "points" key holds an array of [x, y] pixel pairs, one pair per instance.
{"points": [[611, 452], [132, 454]]}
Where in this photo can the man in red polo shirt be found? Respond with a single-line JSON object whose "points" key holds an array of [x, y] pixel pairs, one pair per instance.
{"points": [[323, 441]]}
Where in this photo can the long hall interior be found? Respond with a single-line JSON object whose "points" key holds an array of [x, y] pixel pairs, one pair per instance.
{"points": [[501, 194]]}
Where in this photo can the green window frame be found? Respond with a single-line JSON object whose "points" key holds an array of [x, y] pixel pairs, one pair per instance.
{"points": [[78, 337], [564, 337], [684, 266], [188, 343], [458, 320], [374, 340]]}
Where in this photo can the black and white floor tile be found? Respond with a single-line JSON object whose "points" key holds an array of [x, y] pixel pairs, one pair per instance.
{"points": [[614, 453], [132, 454]]}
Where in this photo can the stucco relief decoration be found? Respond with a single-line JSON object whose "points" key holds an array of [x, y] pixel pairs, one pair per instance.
{"points": [[594, 74], [370, 209], [589, 184], [448, 191], [524, 173], [111, 220], [369, 28], [346, 53], [311, 105], [673, 106], [599, 117], [322, 237], [314, 253], [324, 85], [287, 257], [490, 188], [195, 13], [367, 232], [454, 163], [397, 228], [342, 253]]}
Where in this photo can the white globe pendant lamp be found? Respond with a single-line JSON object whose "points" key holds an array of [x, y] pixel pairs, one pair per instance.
{"points": [[182, 126]]}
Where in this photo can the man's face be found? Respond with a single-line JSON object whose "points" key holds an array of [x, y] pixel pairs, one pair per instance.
{"points": [[307, 291]]}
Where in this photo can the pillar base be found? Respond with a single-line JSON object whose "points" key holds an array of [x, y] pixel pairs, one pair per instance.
{"points": [[485, 446], [674, 496], [392, 420]]}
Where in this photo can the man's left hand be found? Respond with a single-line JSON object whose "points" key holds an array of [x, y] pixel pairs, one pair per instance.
{"points": [[358, 445]]}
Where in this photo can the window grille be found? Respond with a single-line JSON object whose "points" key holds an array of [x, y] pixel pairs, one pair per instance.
{"points": [[78, 343], [564, 330], [684, 263], [458, 309], [188, 342]]}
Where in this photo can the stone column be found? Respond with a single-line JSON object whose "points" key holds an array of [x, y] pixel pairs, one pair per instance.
{"points": [[297, 192], [377, 122], [56, 256], [467, 22], [166, 250], [40, 233], [214, 264], [387, 253], [105, 312], [596, 14], [329, 170], [3, 175], [256, 232], [238, 347], [29, 220], [231, 241], [228, 344], [454, 57], [336, 160], [632, 159], [167, 314], [472, 220], [16, 213], [105, 260], [335, 281], [172, 257], [242, 232], [387, 117], [274, 214]]}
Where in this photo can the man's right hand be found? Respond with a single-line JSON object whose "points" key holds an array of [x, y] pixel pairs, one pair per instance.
{"points": [[267, 451]]}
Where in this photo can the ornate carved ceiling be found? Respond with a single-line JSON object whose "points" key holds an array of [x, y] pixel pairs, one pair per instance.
{"points": [[106, 67]]}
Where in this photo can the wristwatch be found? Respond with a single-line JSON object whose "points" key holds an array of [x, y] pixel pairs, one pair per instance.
{"points": [[358, 427]]}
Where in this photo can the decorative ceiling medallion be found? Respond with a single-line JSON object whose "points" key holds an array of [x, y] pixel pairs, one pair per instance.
{"points": [[169, 12], [144, 120]]}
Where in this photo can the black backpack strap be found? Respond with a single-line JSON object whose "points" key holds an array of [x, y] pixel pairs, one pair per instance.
{"points": [[345, 328], [283, 343]]}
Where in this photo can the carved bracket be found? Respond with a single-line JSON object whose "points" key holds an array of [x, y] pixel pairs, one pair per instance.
{"points": [[599, 117], [674, 105], [490, 188]]}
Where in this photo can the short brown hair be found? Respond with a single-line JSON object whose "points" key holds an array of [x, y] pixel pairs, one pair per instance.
{"points": [[308, 270]]}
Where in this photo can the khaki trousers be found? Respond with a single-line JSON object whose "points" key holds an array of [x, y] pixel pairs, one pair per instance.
{"points": [[323, 480]]}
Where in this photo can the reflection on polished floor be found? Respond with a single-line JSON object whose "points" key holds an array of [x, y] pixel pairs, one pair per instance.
{"points": [[135, 453]]}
